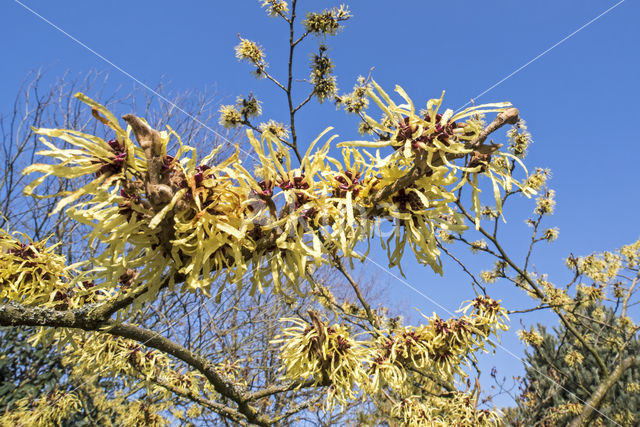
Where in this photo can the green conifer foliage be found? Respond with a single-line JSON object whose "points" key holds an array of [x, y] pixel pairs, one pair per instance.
{"points": [[558, 357], [25, 369]]}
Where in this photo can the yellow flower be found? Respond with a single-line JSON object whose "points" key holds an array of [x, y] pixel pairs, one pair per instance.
{"points": [[250, 51], [275, 7], [230, 117], [276, 129], [488, 276], [546, 203], [327, 354], [573, 358], [550, 234], [326, 22], [530, 337], [538, 179], [276, 220], [520, 139]]}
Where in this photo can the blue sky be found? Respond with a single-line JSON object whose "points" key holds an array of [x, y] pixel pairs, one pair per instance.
{"points": [[580, 100]]}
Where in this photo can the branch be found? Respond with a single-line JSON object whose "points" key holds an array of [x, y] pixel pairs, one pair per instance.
{"points": [[292, 385], [297, 408], [103, 311], [214, 406], [149, 139], [508, 116], [627, 297], [539, 293], [264, 71], [269, 240], [370, 317], [596, 398], [289, 88], [160, 190], [307, 99], [421, 168], [14, 314], [464, 267]]}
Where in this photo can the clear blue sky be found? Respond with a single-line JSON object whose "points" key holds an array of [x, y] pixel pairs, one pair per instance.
{"points": [[581, 99]]}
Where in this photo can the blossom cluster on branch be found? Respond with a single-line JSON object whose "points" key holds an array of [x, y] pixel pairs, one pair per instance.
{"points": [[171, 219], [366, 364], [173, 215]]}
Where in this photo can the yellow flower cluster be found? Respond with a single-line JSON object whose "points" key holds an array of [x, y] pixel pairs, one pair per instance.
{"points": [[538, 179], [357, 101], [478, 245], [275, 7], [204, 220], [326, 22], [324, 83], [127, 359], [600, 268], [435, 411], [30, 272], [144, 414], [230, 117], [58, 407], [553, 295], [250, 51], [49, 410], [573, 358], [545, 204], [624, 418], [330, 356], [276, 129], [531, 337], [591, 293], [633, 387], [117, 356], [520, 139], [551, 234], [488, 276], [33, 274], [326, 354], [631, 254]]}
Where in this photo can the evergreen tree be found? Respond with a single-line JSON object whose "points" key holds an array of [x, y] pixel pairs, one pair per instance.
{"points": [[25, 369], [558, 374]]}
